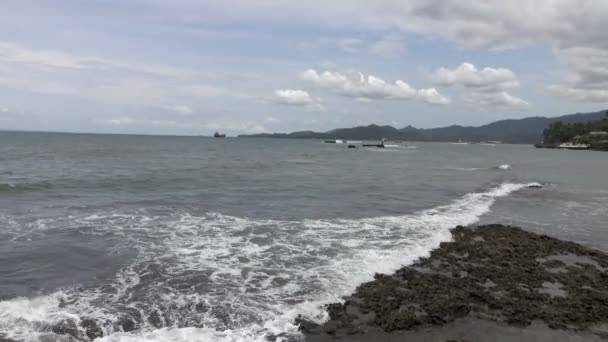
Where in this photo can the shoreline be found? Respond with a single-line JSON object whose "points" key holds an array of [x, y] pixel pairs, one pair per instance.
{"points": [[490, 283]]}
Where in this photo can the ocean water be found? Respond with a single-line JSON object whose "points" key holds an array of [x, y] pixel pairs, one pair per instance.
{"points": [[199, 239]]}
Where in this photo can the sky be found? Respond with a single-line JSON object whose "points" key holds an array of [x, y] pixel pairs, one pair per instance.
{"points": [[195, 67]]}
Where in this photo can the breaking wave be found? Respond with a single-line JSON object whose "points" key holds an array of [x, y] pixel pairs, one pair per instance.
{"points": [[503, 167], [223, 278]]}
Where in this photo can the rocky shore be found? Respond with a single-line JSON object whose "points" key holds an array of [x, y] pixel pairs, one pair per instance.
{"points": [[491, 283]]}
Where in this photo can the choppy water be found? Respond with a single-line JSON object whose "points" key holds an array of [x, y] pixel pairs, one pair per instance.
{"points": [[230, 239]]}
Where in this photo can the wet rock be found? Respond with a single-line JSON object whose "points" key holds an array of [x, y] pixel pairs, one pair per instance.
{"points": [[243, 259], [125, 324], [6, 339], [155, 319], [305, 325], [56, 338], [67, 327], [282, 338], [91, 328], [497, 273]]}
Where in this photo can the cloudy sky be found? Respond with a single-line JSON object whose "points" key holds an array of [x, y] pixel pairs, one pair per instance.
{"points": [[195, 67]]}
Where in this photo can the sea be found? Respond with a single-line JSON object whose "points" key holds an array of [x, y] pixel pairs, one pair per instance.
{"points": [[202, 239]]}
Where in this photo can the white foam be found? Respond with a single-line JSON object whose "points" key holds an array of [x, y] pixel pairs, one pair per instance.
{"points": [[505, 167], [253, 277], [468, 168], [21, 318]]}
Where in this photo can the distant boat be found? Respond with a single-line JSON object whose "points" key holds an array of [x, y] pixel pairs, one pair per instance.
{"points": [[218, 135], [543, 145], [572, 146], [380, 145]]}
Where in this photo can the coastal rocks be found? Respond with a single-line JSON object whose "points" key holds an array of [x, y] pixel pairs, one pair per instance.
{"points": [[6, 339], [495, 273], [125, 324], [67, 327], [91, 328], [86, 330]]}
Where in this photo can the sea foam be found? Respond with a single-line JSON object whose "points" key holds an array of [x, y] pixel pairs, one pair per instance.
{"points": [[222, 278]]}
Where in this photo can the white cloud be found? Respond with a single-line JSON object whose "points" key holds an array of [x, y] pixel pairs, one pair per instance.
{"points": [[569, 26], [485, 88], [432, 96], [359, 86], [575, 29], [471, 23], [467, 75], [293, 97]]}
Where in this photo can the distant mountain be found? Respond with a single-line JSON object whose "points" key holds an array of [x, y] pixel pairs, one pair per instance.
{"points": [[524, 131]]}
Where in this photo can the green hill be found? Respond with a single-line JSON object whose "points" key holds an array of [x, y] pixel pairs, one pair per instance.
{"points": [[523, 131]]}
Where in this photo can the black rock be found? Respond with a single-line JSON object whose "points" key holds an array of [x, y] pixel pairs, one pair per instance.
{"points": [[305, 325], [91, 328], [125, 324], [493, 272], [67, 327], [6, 339]]}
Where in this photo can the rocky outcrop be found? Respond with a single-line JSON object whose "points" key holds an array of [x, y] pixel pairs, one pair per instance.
{"points": [[85, 330], [493, 273]]}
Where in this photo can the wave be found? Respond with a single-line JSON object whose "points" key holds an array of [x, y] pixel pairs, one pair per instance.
{"points": [[223, 278], [7, 187], [19, 187], [468, 168], [503, 167]]}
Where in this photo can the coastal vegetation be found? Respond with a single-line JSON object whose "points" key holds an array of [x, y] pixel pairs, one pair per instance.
{"points": [[579, 132]]}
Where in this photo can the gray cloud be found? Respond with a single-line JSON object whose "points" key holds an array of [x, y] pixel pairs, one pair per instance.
{"points": [[575, 28], [587, 80], [483, 88]]}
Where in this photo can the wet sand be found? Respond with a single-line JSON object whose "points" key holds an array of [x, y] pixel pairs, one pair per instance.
{"points": [[491, 283]]}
